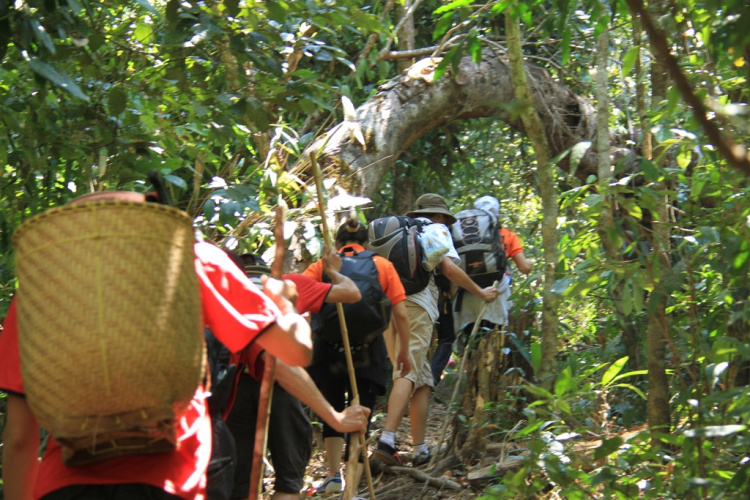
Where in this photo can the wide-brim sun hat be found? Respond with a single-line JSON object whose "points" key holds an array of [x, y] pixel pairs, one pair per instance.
{"points": [[432, 203]]}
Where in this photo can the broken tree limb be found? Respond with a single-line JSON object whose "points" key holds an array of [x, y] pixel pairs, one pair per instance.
{"points": [[352, 465], [440, 482]]}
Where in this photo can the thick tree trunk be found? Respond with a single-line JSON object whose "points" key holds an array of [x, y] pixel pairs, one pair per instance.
{"points": [[548, 191], [410, 105]]}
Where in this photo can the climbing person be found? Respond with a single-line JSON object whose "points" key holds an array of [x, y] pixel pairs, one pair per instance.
{"points": [[465, 307], [107, 467], [289, 430], [382, 296], [433, 216]]}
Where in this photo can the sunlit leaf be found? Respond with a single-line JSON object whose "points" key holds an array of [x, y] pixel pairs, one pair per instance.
{"points": [[58, 78], [613, 370]]}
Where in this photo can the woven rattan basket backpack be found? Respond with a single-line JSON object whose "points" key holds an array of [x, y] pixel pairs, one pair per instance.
{"points": [[110, 326]]}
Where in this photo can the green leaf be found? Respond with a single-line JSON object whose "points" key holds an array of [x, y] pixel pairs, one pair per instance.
{"points": [[601, 25], [565, 45], [608, 447], [75, 6], [576, 155], [475, 46], [630, 374], [500, 7], [442, 25], [628, 61], [276, 10], [177, 181], [613, 370], [62, 80], [117, 101], [147, 5], [539, 392], [452, 6], [144, 33], [633, 388], [41, 34], [563, 381], [536, 356]]}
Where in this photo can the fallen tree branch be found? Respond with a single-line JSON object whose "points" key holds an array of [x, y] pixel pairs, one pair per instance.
{"points": [[441, 482]]}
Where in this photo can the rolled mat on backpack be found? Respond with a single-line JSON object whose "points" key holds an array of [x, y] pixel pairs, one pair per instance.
{"points": [[110, 326]]}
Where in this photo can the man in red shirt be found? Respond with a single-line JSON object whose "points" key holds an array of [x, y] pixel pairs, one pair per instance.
{"points": [[238, 314], [290, 431]]}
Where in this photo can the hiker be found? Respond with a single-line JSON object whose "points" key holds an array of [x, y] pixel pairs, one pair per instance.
{"points": [[237, 313], [466, 308], [366, 321], [423, 312], [468, 305], [289, 430]]}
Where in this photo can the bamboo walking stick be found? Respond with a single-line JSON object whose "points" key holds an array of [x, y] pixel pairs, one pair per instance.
{"points": [[458, 380], [352, 465], [269, 372]]}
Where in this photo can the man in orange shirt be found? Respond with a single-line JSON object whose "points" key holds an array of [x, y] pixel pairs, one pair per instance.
{"points": [[370, 357], [465, 314]]}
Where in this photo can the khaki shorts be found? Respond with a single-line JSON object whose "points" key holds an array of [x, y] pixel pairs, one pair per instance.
{"points": [[420, 337]]}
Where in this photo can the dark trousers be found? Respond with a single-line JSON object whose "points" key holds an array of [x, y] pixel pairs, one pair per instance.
{"points": [[445, 339], [131, 491], [289, 437]]}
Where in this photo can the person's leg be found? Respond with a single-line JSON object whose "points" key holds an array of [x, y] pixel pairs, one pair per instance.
{"points": [[241, 423], [419, 342], [418, 414], [334, 448], [445, 338], [440, 360], [289, 441], [398, 402]]}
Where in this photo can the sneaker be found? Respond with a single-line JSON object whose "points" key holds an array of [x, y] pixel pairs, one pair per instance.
{"points": [[332, 484], [387, 454], [421, 459]]}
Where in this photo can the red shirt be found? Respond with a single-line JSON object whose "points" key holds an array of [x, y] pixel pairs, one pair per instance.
{"points": [[237, 312], [312, 296]]}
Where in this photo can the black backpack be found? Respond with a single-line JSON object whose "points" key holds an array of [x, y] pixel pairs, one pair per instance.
{"points": [[396, 238], [476, 236], [366, 319]]}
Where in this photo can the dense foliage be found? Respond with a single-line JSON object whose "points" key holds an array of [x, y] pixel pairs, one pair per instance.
{"points": [[222, 98]]}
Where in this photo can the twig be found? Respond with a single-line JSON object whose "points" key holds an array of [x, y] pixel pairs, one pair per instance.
{"points": [[408, 54], [269, 372], [424, 477], [458, 27], [400, 25], [374, 36]]}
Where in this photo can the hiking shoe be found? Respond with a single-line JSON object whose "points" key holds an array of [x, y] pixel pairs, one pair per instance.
{"points": [[332, 484], [387, 454], [421, 459]]}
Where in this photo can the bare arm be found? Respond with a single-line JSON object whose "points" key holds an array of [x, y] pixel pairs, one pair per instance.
{"points": [[401, 320], [20, 450], [298, 383], [289, 338], [458, 277], [344, 290], [522, 263]]}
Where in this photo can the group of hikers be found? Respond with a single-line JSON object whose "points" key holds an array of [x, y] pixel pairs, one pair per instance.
{"points": [[398, 279]]}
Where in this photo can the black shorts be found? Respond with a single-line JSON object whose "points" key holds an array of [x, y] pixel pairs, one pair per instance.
{"points": [[130, 491], [289, 437]]}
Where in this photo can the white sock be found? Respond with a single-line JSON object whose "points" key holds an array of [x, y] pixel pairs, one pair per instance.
{"points": [[419, 449], [388, 438]]}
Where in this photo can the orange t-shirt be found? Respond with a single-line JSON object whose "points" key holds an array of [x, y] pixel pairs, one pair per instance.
{"points": [[511, 243], [387, 276]]}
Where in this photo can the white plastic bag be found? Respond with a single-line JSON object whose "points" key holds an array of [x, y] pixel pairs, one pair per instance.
{"points": [[436, 241]]}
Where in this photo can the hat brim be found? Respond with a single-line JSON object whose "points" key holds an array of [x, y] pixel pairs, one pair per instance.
{"points": [[433, 210]]}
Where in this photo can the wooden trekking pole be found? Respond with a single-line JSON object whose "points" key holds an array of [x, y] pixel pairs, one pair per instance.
{"points": [[458, 380], [269, 372], [352, 465]]}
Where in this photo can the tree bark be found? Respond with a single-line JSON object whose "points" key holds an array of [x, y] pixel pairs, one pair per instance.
{"points": [[657, 329], [406, 35], [548, 191], [412, 104]]}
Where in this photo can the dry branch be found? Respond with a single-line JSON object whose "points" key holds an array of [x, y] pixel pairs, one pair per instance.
{"points": [[440, 482]]}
